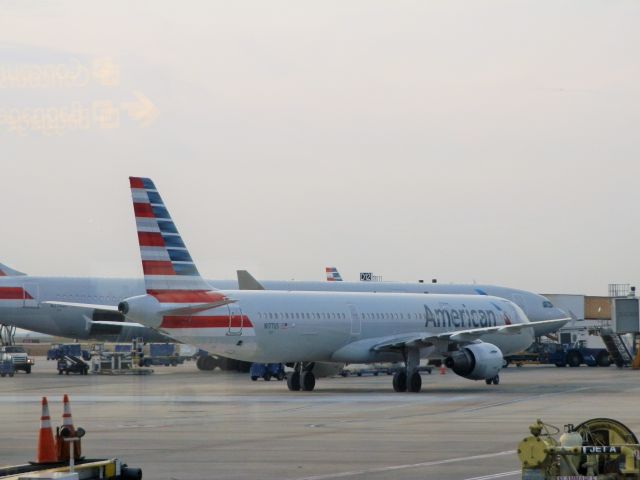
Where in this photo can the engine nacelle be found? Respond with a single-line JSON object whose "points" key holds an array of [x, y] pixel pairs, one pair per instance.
{"points": [[144, 309], [478, 361]]}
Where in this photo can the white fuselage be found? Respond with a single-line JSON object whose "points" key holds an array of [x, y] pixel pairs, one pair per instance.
{"points": [[271, 326], [21, 297]]}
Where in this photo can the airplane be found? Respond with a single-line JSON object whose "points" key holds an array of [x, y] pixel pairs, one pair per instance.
{"points": [[21, 298], [469, 333]]}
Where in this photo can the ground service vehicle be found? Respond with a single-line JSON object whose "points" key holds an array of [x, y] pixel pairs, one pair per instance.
{"points": [[6, 366], [267, 371], [19, 356], [575, 355]]}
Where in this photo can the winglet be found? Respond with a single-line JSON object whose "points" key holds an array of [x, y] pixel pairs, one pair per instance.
{"points": [[246, 281], [9, 272]]}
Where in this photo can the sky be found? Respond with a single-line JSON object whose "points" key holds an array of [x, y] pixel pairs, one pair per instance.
{"points": [[468, 141]]}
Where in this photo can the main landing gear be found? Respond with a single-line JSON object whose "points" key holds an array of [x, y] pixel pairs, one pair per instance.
{"points": [[302, 378], [408, 379]]}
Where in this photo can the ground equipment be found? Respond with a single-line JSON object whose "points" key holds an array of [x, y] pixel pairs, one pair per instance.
{"points": [[598, 449], [267, 371], [68, 363], [167, 354], [19, 356], [6, 366], [59, 350], [617, 348], [561, 355]]}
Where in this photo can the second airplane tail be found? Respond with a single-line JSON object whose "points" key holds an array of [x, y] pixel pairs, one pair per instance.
{"points": [[333, 275]]}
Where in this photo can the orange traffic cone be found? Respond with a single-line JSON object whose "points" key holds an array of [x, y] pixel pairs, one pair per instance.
{"points": [[443, 370], [66, 431], [46, 446]]}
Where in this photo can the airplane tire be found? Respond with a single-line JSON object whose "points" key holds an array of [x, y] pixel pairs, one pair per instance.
{"points": [[308, 381], [415, 382], [400, 381], [493, 380], [207, 363], [293, 382]]}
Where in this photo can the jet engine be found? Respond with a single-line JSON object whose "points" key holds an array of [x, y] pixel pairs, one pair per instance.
{"points": [[478, 361], [144, 309]]}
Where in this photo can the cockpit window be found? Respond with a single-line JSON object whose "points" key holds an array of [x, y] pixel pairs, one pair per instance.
{"points": [[547, 304]]}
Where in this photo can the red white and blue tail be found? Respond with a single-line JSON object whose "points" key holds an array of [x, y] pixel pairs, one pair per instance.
{"points": [[333, 275], [170, 274]]}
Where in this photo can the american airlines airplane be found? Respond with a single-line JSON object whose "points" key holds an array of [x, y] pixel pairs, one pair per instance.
{"points": [[470, 333], [21, 298]]}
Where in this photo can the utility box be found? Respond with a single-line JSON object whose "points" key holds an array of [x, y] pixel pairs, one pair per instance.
{"points": [[626, 315]]}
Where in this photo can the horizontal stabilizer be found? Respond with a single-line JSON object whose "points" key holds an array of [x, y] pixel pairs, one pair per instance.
{"points": [[246, 281], [119, 324], [88, 306], [9, 272]]}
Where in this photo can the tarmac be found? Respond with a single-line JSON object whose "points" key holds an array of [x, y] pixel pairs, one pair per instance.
{"points": [[182, 423]]}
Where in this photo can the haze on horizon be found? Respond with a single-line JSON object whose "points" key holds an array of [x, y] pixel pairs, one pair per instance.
{"points": [[486, 141]]}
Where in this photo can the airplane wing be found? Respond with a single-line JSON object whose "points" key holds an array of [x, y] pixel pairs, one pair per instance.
{"points": [[457, 336]]}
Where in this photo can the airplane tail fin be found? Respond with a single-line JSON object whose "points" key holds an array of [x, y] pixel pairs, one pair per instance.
{"points": [[9, 272], [333, 275], [170, 274]]}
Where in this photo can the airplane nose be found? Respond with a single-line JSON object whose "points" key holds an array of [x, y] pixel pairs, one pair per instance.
{"points": [[558, 313]]}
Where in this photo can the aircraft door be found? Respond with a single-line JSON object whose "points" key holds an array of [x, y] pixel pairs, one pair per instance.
{"points": [[356, 321], [236, 319], [31, 295]]}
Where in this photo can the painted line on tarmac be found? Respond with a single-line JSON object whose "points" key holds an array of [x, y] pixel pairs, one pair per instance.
{"points": [[393, 468], [521, 400], [497, 475]]}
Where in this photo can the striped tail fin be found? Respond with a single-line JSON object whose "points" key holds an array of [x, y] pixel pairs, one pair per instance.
{"points": [[170, 274], [333, 275]]}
